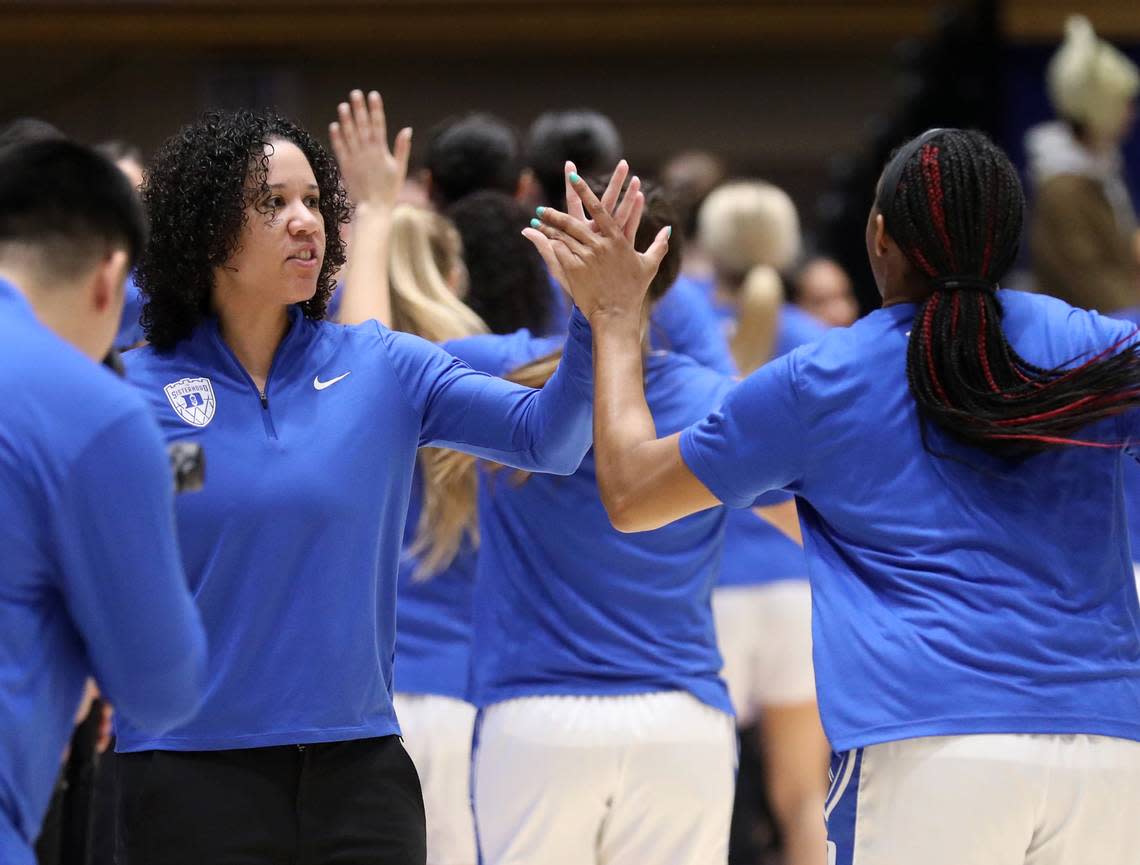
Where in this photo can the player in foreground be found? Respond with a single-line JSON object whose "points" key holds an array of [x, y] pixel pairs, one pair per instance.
{"points": [[958, 459], [293, 546]]}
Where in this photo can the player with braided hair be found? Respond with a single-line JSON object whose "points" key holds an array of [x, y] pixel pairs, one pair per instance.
{"points": [[963, 372], [957, 458]]}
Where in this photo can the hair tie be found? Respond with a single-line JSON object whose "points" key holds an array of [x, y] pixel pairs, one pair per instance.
{"points": [[958, 283]]}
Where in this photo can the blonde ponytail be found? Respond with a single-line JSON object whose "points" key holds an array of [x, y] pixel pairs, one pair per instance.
{"points": [[425, 251]]}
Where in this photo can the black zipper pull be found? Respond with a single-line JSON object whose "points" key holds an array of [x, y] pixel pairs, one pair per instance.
{"points": [[264, 399]]}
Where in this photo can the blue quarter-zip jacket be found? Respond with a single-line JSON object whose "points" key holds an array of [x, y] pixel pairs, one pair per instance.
{"points": [[292, 549]]}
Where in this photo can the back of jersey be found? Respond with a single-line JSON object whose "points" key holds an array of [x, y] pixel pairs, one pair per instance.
{"points": [[566, 604], [955, 591], [91, 583]]}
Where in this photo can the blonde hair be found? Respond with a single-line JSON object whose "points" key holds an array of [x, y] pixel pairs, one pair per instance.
{"points": [[1090, 81], [751, 231], [748, 223], [425, 249]]}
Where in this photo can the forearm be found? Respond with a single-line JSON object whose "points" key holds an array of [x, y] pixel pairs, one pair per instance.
{"points": [[365, 292], [560, 418], [622, 421]]}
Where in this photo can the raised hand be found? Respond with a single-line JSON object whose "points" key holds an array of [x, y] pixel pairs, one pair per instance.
{"points": [[373, 175], [595, 259], [631, 217]]}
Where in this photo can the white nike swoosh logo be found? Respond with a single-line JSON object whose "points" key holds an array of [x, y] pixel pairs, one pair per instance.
{"points": [[321, 385]]}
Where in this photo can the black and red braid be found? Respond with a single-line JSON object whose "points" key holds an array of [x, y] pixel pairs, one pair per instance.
{"points": [[953, 202]]}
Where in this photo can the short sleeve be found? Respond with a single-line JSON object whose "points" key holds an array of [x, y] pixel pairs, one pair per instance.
{"points": [[755, 442]]}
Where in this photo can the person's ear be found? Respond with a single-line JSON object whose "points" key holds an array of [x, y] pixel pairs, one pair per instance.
{"points": [[882, 239], [108, 282], [525, 191]]}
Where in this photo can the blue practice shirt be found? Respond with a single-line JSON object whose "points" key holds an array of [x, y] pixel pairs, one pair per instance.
{"points": [[91, 583], [950, 595], [433, 617], [566, 604], [756, 552], [433, 623], [293, 547], [682, 322]]}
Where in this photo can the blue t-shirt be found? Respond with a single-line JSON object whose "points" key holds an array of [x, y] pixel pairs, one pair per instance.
{"points": [[756, 552], [130, 328], [293, 547], [566, 604], [684, 322], [433, 622], [951, 594], [433, 616], [91, 583]]}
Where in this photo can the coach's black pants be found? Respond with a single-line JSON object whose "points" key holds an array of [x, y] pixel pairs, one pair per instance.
{"points": [[341, 803]]}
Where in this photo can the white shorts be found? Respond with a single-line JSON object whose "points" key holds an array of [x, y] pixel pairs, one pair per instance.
{"points": [[645, 779], [764, 633], [986, 800], [437, 734]]}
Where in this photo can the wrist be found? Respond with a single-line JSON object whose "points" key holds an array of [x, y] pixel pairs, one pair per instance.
{"points": [[373, 211], [615, 321]]}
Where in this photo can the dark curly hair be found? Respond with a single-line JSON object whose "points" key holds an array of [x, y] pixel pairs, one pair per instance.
{"points": [[196, 191], [507, 283]]}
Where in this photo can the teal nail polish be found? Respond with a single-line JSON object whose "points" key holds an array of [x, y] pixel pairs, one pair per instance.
{"points": [[534, 223], [539, 210], [574, 178], [669, 231]]}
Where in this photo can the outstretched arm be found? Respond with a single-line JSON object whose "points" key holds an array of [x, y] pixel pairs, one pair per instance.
{"points": [[544, 430], [373, 176], [644, 482]]}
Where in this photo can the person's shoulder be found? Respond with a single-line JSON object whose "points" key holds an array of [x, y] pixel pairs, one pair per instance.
{"points": [[839, 341], [677, 378], [74, 398], [1026, 307], [1064, 330], [797, 327], [845, 359]]}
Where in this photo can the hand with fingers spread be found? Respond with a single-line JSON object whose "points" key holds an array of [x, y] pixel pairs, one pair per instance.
{"points": [[373, 175], [594, 258]]}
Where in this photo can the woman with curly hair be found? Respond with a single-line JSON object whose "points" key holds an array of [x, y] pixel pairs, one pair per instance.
{"points": [[310, 431], [958, 458]]}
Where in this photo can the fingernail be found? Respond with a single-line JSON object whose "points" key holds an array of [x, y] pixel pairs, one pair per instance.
{"points": [[539, 210], [668, 231], [574, 178], [534, 223]]}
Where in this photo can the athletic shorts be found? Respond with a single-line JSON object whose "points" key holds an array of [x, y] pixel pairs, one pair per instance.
{"points": [[644, 779], [437, 733], [986, 800], [764, 634]]}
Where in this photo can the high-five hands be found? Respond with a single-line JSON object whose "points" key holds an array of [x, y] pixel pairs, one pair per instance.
{"points": [[373, 175], [594, 258]]}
